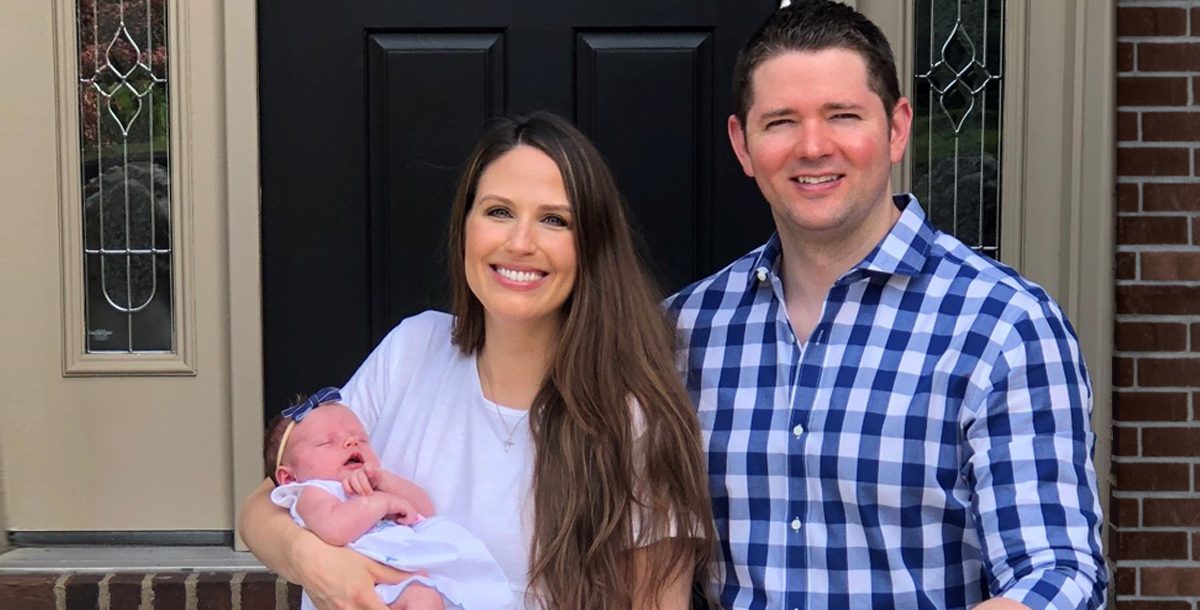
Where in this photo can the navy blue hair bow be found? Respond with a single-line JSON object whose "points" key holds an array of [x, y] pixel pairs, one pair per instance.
{"points": [[297, 412]]}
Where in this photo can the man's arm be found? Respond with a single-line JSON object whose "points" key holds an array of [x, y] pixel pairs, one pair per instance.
{"points": [[1029, 460]]}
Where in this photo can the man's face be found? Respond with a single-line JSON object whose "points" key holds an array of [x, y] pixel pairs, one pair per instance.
{"points": [[819, 143]]}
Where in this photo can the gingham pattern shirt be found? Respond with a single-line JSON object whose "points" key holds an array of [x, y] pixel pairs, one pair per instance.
{"points": [[928, 447]]}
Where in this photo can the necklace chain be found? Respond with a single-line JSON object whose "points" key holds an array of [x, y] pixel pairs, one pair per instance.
{"points": [[507, 441]]}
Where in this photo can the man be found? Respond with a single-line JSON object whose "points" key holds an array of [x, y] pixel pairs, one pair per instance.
{"points": [[892, 420]]}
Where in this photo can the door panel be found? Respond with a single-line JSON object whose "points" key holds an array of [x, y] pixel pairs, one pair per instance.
{"points": [[368, 110], [668, 128]]}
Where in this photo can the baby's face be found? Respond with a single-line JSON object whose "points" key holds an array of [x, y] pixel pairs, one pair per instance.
{"points": [[329, 443]]}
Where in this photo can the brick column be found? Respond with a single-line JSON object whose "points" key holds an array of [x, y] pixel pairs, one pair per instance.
{"points": [[1155, 510]]}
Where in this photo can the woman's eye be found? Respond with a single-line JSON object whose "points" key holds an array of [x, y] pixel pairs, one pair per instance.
{"points": [[556, 221], [498, 213]]}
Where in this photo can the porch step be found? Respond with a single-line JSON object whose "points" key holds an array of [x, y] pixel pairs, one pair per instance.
{"points": [[146, 590]]}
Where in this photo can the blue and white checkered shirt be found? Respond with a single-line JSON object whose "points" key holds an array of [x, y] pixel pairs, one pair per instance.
{"points": [[928, 447]]}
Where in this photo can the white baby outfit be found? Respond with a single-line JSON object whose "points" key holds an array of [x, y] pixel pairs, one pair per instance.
{"points": [[456, 562]]}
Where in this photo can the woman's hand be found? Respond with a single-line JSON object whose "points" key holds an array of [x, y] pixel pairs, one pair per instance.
{"points": [[337, 578]]}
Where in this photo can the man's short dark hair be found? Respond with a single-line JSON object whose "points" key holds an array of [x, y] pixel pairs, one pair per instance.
{"points": [[816, 25]]}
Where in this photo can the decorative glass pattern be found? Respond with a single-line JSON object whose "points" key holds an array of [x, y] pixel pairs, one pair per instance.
{"points": [[124, 133], [957, 96]]}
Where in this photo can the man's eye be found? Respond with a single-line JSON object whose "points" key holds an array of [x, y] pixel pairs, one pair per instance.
{"points": [[845, 116], [778, 123]]}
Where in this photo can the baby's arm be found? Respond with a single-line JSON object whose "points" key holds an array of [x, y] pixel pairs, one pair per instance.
{"points": [[339, 523], [399, 486], [365, 481]]}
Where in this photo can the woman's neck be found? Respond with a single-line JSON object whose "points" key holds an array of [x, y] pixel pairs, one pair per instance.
{"points": [[513, 363]]}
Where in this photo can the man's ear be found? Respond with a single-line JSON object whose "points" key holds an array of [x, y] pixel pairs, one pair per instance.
{"points": [[737, 139], [284, 475], [900, 129]]}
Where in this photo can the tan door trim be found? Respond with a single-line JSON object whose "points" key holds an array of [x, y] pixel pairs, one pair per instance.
{"points": [[245, 281]]}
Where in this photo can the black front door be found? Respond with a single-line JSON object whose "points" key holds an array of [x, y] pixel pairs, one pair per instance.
{"points": [[369, 107]]}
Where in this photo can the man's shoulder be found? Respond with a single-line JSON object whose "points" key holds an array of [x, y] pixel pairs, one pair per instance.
{"points": [[722, 289], [974, 275]]}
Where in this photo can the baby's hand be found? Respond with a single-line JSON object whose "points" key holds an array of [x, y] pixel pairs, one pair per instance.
{"points": [[359, 483], [403, 512]]}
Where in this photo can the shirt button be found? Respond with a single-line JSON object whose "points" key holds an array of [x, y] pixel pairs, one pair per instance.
{"points": [[798, 430], [796, 524], [762, 274]]}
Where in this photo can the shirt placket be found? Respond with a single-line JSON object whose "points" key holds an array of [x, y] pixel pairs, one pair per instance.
{"points": [[803, 363]]}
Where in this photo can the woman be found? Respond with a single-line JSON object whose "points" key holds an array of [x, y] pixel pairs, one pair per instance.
{"points": [[546, 414]]}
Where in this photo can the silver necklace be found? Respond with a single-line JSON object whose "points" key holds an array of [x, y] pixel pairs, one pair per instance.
{"points": [[507, 441]]}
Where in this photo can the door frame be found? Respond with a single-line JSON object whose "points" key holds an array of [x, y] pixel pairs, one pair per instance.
{"points": [[245, 277], [1064, 152]]}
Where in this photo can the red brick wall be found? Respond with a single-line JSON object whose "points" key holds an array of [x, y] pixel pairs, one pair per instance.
{"points": [[1155, 511]]}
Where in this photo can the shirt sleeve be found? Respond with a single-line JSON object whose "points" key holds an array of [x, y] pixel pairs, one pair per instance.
{"points": [[1030, 465], [385, 373]]}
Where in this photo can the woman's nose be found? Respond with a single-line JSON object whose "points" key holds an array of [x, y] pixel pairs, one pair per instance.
{"points": [[520, 238]]}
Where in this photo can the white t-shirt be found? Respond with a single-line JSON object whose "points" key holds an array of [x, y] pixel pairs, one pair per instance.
{"points": [[421, 401]]}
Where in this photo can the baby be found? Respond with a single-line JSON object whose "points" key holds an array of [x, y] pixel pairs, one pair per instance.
{"points": [[332, 482]]}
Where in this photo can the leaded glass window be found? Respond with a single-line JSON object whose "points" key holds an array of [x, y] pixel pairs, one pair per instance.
{"points": [[957, 94], [125, 154]]}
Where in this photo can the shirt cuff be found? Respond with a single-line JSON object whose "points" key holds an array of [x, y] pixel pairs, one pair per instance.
{"points": [[1050, 589]]}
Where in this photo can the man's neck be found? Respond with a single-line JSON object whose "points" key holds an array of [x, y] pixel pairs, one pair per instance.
{"points": [[811, 262]]}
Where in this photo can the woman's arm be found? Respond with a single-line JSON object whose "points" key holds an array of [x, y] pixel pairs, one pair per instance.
{"points": [[335, 578], [676, 592]]}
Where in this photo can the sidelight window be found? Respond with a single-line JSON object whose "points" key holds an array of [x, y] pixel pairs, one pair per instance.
{"points": [[956, 139]]}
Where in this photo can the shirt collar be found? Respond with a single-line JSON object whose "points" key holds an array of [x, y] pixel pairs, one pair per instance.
{"points": [[902, 251]]}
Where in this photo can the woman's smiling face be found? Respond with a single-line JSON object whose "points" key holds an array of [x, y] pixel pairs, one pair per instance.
{"points": [[519, 247]]}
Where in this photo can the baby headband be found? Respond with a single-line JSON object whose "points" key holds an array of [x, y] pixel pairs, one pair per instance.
{"points": [[298, 411]]}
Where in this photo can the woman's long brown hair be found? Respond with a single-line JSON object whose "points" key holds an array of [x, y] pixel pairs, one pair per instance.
{"points": [[618, 461]]}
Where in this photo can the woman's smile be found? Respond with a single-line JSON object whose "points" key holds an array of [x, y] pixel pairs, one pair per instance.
{"points": [[519, 247]]}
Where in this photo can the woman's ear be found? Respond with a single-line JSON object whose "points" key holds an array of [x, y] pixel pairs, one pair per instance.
{"points": [[284, 475]]}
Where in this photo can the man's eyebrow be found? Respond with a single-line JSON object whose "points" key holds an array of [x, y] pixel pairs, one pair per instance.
{"points": [[843, 106], [778, 112]]}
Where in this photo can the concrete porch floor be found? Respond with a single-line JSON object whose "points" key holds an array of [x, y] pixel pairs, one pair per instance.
{"points": [[127, 559]]}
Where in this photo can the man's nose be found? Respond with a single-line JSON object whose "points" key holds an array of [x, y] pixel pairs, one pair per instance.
{"points": [[813, 141]]}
